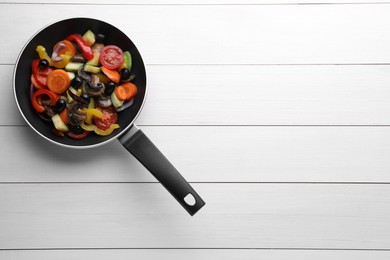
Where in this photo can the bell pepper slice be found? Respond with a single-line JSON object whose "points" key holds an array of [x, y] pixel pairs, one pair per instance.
{"points": [[83, 45], [63, 62], [34, 82], [99, 131], [78, 136], [39, 74], [107, 131], [86, 127], [37, 98], [43, 54], [92, 112]]}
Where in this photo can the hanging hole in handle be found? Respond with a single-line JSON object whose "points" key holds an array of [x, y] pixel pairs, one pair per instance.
{"points": [[190, 199]]}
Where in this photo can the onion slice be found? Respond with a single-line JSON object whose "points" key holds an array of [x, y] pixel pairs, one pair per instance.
{"points": [[125, 105], [55, 55], [31, 90], [103, 101]]}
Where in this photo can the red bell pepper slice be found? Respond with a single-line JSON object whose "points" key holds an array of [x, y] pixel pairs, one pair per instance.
{"points": [[34, 82], [37, 97], [83, 45], [40, 75], [78, 136]]}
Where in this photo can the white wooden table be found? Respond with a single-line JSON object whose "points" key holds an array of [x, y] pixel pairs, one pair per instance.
{"points": [[278, 114]]}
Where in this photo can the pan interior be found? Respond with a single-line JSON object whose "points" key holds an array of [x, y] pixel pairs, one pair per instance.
{"points": [[48, 37]]}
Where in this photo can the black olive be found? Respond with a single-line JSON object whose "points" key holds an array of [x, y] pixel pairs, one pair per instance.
{"points": [[60, 105], [125, 74], [86, 97], [109, 88], [76, 82], [43, 63], [100, 38], [76, 129]]}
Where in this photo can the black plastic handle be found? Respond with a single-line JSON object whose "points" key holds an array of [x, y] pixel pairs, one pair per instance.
{"points": [[140, 146]]}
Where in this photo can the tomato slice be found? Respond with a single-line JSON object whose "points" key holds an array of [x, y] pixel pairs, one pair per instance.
{"points": [[111, 57], [109, 117]]}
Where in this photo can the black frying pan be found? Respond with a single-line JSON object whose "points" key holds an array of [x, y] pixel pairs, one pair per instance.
{"points": [[133, 139]]}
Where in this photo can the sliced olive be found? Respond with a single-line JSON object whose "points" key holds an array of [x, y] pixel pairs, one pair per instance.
{"points": [[125, 74], [109, 88], [86, 97], [43, 63], [100, 38], [76, 82], [76, 129], [60, 105]]}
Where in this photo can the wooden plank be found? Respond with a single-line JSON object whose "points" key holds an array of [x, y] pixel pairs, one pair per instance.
{"points": [[253, 95], [236, 216], [226, 34], [192, 254], [209, 154]]}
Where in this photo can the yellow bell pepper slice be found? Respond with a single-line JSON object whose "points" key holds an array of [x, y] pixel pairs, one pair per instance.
{"points": [[107, 131], [62, 64], [43, 54], [99, 131], [92, 112], [88, 128]]}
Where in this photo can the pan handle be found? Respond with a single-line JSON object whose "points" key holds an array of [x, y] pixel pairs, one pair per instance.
{"points": [[140, 146]]}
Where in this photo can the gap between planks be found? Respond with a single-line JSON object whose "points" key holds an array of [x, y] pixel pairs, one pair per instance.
{"points": [[197, 248], [196, 4]]}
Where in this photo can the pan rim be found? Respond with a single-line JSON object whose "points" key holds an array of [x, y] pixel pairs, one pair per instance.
{"points": [[123, 131]]}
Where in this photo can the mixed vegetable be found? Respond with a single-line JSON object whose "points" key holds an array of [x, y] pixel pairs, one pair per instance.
{"points": [[82, 86]]}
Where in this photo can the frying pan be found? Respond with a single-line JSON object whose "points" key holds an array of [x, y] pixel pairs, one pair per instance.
{"points": [[131, 137]]}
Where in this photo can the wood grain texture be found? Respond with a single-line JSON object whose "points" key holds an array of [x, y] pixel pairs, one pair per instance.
{"points": [[236, 216], [248, 99], [193, 254], [226, 34], [209, 154], [252, 95]]}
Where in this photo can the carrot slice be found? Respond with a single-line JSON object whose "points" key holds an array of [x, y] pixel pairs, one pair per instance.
{"points": [[120, 93], [111, 74], [64, 116], [58, 81], [131, 90]]}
